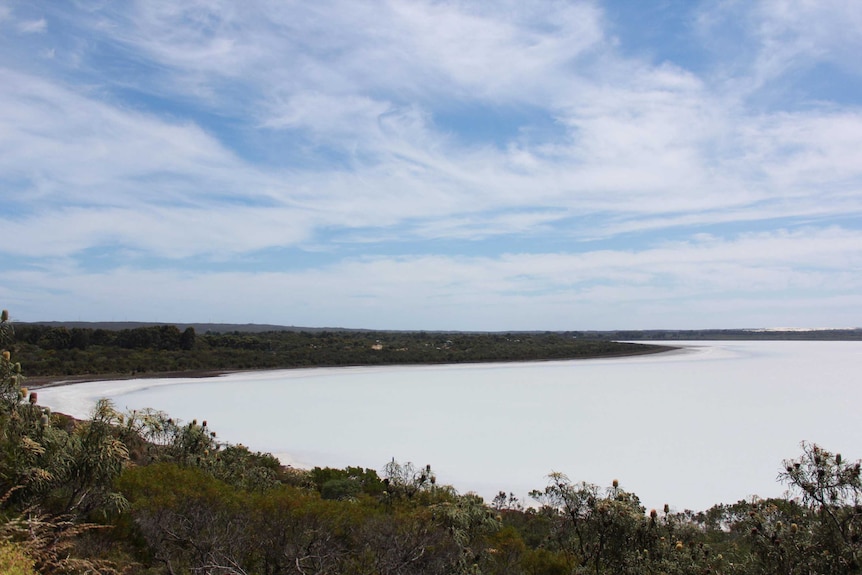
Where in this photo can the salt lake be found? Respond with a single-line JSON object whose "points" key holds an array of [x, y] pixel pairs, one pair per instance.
{"points": [[707, 424]]}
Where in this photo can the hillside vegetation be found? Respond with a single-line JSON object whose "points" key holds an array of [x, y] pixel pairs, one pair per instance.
{"points": [[143, 494], [61, 351]]}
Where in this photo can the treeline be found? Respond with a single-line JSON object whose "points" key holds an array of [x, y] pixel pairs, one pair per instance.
{"points": [[163, 337], [726, 334], [143, 494], [60, 351]]}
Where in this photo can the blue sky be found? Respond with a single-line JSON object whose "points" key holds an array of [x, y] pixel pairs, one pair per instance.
{"points": [[433, 165]]}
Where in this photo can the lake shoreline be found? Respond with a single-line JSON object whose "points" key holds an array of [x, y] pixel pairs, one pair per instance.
{"points": [[48, 381]]}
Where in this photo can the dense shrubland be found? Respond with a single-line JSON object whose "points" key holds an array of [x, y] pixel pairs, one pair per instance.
{"points": [[141, 493], [58, 351]]}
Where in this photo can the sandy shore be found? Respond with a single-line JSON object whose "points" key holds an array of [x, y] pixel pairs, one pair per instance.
{"points": [[46, 381]]}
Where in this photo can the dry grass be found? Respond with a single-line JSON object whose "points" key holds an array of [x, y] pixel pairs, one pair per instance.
{"points": [[50, 542]]}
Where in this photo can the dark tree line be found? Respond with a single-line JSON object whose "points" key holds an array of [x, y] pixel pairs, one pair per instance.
{"points": [[163, 337], [59, 351]]}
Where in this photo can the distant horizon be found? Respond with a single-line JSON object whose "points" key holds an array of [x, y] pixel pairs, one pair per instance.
{"points": [[325, 327]]}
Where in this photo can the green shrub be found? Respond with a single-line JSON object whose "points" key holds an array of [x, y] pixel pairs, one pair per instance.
{"points": [[13, 560]]}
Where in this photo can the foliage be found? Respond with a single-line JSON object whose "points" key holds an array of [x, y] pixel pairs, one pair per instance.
{"points": [[182, 514], [14, 561], [58, 351], [830, 516], [346, 483], [51, 544]]}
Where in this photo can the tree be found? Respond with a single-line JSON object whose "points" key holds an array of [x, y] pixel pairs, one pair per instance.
{"points": [[405, 480], [97, 459], [831, 490], [187, 339]]}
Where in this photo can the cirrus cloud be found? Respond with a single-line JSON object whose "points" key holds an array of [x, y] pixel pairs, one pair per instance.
{"points": [[401, 164]]}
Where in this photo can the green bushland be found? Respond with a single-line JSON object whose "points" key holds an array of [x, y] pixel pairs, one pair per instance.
{"points": [[141, 493], [58, 351]]}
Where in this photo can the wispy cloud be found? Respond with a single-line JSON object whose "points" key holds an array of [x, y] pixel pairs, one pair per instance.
{"points": [[675, 284], [400, 139], [32, 26]]}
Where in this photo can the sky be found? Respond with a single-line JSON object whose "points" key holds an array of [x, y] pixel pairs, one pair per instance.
{"points": [[440, 165]]}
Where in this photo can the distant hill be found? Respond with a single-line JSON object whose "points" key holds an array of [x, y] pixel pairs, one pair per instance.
{"points": [[198, 327], [782, 333]]}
